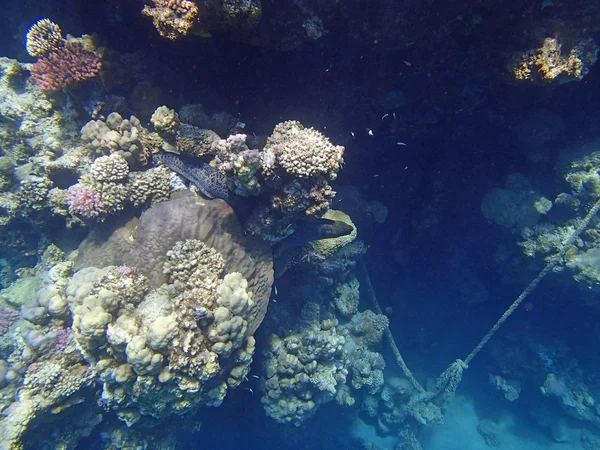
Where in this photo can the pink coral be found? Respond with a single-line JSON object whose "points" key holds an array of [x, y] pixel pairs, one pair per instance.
{"points": [[63, 337], [65, 66], [85, 202], [8, 316]]}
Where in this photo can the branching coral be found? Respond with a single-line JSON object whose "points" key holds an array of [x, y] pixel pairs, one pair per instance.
{"points": [[65, 66], [297, 163]]}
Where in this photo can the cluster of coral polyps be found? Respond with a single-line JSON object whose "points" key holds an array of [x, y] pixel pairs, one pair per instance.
{"points": [[167, 350]]}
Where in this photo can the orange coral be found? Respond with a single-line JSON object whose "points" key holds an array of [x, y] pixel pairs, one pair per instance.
{"points": [[172, 18]]}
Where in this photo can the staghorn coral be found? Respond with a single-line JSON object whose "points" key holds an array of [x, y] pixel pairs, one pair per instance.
{"points": [[63, 67], [42, 38], [172, 18]]}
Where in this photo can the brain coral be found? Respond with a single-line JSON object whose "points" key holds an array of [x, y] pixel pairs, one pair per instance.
{"points": [[144, 244]]}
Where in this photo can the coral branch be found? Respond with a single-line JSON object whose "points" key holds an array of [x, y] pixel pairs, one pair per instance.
{"points": [[63, 67]]}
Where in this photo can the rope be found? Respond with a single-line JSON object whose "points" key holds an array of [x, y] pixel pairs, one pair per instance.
{"points": [[553, 262], [388, 334], [449, 380]]}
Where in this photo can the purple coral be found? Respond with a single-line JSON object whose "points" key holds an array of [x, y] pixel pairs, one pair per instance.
{"points": [[7, 318], [85, 202], [65, 66], [63, 337]]}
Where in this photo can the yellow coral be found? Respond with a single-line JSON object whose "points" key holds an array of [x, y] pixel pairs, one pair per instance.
{"points": [[172, 18], [548, 64], [43, 37]]}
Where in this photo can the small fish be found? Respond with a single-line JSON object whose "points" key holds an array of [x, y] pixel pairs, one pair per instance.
{"points": [[406, 168], [394, 114], [251, 391], [202, 34], [376, 175], [275, 287], [353, 136], [407, 63], [400, 143], [370, 132], [384, 116], [255, 376]]}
